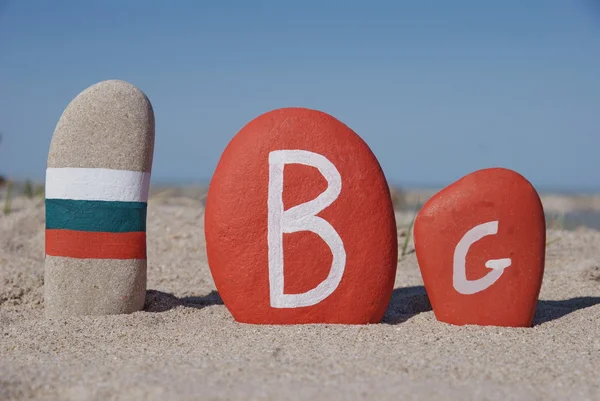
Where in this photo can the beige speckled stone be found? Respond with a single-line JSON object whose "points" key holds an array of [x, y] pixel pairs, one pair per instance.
{"points": [[94, 286], [109, 125]]}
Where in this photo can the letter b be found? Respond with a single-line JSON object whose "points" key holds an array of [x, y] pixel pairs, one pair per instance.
{"points": [[302, 217]]}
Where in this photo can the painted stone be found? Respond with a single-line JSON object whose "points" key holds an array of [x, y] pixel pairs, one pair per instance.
{"points": [[299, 223], [480, 245], [97, 183]]}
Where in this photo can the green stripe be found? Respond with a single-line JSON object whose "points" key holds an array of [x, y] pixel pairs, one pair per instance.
{"points": [[96, 216]]}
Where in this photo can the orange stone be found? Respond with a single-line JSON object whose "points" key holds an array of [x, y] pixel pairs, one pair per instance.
{"points": [[480, 244], [299, 223]]}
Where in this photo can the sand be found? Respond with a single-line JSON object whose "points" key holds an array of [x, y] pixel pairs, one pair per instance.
{"points": [[186, 346]]}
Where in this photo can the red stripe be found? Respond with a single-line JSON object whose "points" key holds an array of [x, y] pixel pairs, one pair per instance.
{"points": [[96, 245]]}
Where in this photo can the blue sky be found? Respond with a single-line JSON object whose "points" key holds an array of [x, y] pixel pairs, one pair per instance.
{"points": [[437, 89]]}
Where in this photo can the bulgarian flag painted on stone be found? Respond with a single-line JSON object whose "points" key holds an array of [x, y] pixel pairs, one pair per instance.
{"points": [[97, 182], [96, 213]]}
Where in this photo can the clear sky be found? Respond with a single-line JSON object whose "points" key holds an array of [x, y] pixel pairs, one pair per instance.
{"points": [[437, 89]]}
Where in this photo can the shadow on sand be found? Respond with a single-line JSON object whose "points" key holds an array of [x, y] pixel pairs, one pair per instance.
{"points": [[406, 302], [410, 301], [158, 301], [552, 310]]}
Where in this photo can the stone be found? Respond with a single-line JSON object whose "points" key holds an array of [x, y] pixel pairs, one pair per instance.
{"points": [[97, 182], [299, 223], [480, 244]]}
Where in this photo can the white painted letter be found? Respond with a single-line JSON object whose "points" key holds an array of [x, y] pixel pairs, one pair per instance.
{"points": [[302, 218], [460, 282]]}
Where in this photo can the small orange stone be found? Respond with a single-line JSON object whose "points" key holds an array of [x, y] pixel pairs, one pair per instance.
{"points": [[299, 223], [480, 244]]}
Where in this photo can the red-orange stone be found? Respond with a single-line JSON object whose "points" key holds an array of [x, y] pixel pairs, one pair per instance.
{"points": [[246, 232], [491, 217]]}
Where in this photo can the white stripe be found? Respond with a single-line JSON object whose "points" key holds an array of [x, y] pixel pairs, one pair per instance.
{"points": [[97, 184]]}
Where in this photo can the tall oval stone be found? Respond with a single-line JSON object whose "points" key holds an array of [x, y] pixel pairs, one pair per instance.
{"points": [[97, 183], [480, 244], [299, 223]]}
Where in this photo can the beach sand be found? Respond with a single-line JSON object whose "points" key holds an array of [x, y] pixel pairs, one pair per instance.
{"points": [[186, 346]]}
